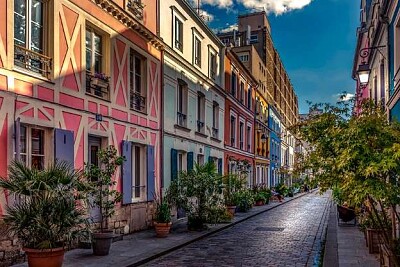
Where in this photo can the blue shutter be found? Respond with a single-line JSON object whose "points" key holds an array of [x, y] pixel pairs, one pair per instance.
{"points": [[18, 139], [150, 174], [190, 161], [127, 173], [64, 146], [174, 164], [210, 159], [220, 166]]}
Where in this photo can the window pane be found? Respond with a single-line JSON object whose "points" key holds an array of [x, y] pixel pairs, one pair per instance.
{"points": [[36, 38], [20, 22], [88, 60], [88, 39], [97, 44], [138, 66], [97, 63], [37, 141], [137, 171], [138, 84], [37, 12]]}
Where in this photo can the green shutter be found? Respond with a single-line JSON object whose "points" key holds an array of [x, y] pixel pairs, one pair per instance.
{"points": [[174, 164], [190, 161]]}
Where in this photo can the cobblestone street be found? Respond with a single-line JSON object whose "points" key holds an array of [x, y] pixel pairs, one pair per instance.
{"points": [[289, 235]]}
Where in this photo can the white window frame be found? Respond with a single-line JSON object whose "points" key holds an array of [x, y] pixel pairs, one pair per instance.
{"points": [[184, 99], [249, 137], [233, 135], [47, 136], [132, 81], [242, 133], [212, 73], [142, 172]]}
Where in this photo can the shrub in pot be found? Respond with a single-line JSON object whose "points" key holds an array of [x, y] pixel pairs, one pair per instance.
{"points": [[104, 196], [245, 200], [196, 191], [232, 185], [162, 222], [48, 214]]}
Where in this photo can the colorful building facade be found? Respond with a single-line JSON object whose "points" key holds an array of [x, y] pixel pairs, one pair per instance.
{"points": [[75, 77], [274, 124], [193, 95], [239, 118]]}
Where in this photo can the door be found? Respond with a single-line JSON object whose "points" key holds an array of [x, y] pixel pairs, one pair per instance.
{"points": [[93, 159]]}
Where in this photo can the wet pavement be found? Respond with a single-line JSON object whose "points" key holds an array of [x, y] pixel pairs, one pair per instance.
{"points": [[289, 235]]}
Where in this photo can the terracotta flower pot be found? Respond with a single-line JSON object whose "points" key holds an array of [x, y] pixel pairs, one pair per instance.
{"points": [[260, 202], [45, 257], [231, 210], [162, 229]]}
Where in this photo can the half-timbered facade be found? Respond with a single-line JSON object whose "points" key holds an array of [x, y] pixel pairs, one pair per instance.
{"points": [[75, 77]]}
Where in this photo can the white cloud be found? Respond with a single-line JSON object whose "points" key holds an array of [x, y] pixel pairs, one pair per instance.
{"points": [[218, 3], [344, 97], [207, 17], [228, 28], [275, 6]]}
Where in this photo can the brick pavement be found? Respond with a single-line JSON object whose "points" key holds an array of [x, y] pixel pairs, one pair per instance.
{"points": [[290, 235], [141, 247]]}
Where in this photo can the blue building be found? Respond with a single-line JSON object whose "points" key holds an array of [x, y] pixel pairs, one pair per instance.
{"points": [[274, 124], [394, 60]]}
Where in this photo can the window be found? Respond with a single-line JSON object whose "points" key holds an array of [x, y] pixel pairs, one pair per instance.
{"points": [[233, 131], [29, 36], [213, 65], [97, 83], [249, 97], [137, 81], [241, 97], [178, 34], [201, 104], [233, 84], [32, 147], [200, 159], [244, 58], [138, 172], [215, 122], [182, 102], [382, 73], [253, 38], [241, 135], [249, 135], [197, 51]]}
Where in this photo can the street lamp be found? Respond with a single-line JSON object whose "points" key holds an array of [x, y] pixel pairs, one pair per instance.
{"points": [[363, 73]]}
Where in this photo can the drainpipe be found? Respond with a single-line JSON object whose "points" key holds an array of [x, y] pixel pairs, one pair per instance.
{"points": [[162, 123]]}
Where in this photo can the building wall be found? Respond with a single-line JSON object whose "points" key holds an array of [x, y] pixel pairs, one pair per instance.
{"points": [[275, 145], [61, 102]]}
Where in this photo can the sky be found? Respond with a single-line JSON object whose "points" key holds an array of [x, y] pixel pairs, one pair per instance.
{"points": [[316, 40]]}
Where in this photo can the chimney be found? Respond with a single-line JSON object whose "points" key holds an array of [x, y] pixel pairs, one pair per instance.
{"points": [[248, 34]]}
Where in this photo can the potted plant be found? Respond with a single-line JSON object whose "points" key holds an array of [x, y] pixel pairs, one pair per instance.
{"points": [[260, 198], [162, 223], [232, 184], [47, 215], [245, 200], [104, 196]]}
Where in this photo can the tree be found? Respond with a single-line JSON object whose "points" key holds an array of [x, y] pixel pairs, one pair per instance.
{"points": [[359, 154]]}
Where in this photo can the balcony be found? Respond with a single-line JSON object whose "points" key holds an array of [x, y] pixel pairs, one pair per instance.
{"points": [[215, 133], [136, 8], [181, 119], [138, 102], [200, 126], [32, 61], [98, 85]]}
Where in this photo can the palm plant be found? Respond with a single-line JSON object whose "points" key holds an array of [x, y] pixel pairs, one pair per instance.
{"points": [[46, 213]]}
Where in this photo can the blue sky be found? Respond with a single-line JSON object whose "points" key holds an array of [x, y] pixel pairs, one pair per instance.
{"points": [[315, 39]]}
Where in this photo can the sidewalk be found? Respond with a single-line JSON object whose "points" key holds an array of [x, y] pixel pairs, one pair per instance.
{"points": [[138, 248], [345, 245]]}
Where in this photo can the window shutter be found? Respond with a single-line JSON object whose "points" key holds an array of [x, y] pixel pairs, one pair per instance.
{"points": [[190, 161], [64, 146], [150, 173], [127, 173], [174, 164], [220, 166]]}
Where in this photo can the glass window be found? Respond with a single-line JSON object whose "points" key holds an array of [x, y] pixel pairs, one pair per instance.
{"points": [[233, 131], [94, 52], [178, 34], [32, 147], [137, 82], [233, 84], [213, 65], [197, 51], [241, 135]]}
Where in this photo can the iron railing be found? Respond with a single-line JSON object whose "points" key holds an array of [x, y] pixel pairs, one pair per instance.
{"points": [[32, 60], [138, 102], [98, 85], [181, 119]]}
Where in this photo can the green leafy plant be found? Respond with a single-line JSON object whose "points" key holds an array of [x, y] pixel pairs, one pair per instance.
{"points": [[105, 196], [47, 213], [232, 184], [196, 191], [163, 211], [245, 200]]}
